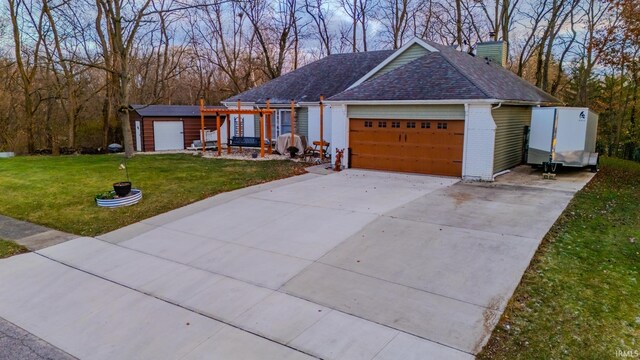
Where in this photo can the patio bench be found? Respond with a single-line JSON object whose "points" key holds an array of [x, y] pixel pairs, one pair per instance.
{"points": [[247, 141]]}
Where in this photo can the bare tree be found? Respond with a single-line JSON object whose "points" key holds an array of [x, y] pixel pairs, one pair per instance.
{"points": [[27, 62], [219, 44], [318, 11], [275, 34], [359, 12], [66, 83], [594, 42], [117, 24], [397, 17]]}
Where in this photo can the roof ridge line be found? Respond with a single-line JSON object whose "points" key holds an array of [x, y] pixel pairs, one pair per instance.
{"points": [[483, 90]]}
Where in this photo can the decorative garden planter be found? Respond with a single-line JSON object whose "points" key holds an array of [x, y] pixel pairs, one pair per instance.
{"points": [[133, 198], [122, 188]]}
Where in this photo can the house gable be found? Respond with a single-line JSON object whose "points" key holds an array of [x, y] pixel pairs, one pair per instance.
{"points": [[411, 53], [404, 55]]}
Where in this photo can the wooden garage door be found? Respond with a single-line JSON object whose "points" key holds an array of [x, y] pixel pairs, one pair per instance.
{"points": [[419, 146]]}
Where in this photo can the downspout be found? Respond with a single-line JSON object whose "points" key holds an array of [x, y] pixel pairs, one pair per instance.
{"points": [[501, 173], [497, 107], [464, 145]]}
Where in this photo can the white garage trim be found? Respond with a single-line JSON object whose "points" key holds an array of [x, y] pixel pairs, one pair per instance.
{"points": [[340, 132], [168, 135], [138, 135], [479, 142], [479, 139]]}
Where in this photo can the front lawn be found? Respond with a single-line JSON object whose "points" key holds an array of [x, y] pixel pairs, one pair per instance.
{"points": [[59, 192], [10, 248], [580, 298]]}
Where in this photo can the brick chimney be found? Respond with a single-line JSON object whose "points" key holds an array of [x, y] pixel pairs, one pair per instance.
{"points": [[494, 51]]}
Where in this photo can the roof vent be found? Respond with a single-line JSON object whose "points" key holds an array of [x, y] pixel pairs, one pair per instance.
{"points": [[493, 51]]}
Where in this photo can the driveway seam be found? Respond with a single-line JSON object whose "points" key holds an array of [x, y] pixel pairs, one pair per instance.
{"points": [[280, 290], [408, 286], [178, 305], [382, 324], [387, 344], [459, 227]]}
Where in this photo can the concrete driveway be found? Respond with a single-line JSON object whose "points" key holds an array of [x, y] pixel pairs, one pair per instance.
{"points": [[354, 265]]}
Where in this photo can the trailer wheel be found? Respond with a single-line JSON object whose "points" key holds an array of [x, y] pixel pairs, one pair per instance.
{"points": [[595, 168]]}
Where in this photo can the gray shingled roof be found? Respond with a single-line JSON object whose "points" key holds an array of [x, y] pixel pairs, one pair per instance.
{"points": [[429, 77], [447, 74], [327, 76], [169, 110]]}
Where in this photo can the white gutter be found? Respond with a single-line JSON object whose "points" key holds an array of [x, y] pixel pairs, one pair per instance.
{"points": [[410, 102], [431, 102]]}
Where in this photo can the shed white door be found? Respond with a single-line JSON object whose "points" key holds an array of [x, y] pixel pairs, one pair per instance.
{"points": [[138, 137], [168, 135]]}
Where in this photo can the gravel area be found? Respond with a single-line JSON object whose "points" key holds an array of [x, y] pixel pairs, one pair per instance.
{"points": [[247, 154], [16, 343]]}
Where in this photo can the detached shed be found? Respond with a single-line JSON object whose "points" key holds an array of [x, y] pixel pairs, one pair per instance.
{"points": [[169, 127]]}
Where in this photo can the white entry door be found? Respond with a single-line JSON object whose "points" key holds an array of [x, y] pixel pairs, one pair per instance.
{"points": [[168, 135], [138, 136]]}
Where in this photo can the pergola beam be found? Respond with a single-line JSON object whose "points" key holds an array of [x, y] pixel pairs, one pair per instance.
{"points": [[265, 115]]}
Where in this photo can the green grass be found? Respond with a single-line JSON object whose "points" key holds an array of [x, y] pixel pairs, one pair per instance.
{"points": [[59, 192], [9, 248], [580, 298]]}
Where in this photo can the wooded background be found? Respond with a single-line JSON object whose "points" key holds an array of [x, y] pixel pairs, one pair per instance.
{"points": [[70, 68]]}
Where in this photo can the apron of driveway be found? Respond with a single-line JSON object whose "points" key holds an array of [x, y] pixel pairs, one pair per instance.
{"points": [[354, 265]]}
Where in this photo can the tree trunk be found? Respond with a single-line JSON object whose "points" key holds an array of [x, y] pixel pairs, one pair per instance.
{"points": [[355, 25], [106, 115], [459, 23], [123, 109]]}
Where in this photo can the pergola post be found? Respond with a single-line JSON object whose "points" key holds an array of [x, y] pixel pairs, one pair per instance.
{"points": [[269, 135], [261, 135], [228, 133], [218, 144], [202, 138], [240, 125], [321, 128]]}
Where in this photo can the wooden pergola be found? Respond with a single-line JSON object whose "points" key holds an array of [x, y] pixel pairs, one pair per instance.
{"points": [[265, 115], [265, 120]]}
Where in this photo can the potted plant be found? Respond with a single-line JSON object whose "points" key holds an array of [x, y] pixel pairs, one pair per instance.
{"points": [[123, 188], [292, 151]]}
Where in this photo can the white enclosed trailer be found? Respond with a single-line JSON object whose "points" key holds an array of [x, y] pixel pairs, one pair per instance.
{"points": [[563, 135]]}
